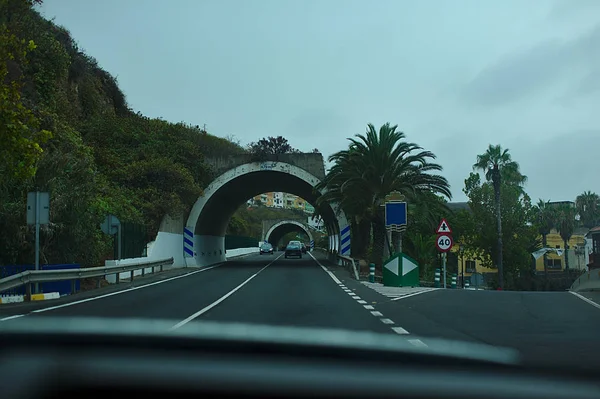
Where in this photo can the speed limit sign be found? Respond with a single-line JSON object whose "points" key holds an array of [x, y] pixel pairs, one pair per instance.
{"points": [[444, 242]]}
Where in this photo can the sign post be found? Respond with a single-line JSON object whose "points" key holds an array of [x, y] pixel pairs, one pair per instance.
{"points": [[38, 213], [395, 220], [444, 243], [112, 226], [398, 270]]}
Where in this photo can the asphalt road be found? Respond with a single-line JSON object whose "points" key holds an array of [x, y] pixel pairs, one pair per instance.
{"points": [[263, 289], [546, 327], [551, 328]]}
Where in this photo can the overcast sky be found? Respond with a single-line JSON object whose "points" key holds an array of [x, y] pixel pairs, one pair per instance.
{"points": [[454, 75]]}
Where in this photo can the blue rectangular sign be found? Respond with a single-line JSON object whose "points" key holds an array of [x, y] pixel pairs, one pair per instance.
{"points": [[395, 213]]}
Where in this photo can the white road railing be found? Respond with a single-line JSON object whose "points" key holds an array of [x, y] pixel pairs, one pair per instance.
{"points": [[30, 277]]}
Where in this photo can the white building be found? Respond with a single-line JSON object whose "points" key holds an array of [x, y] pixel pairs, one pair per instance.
{"points": [[278, 200], [316, 224]]}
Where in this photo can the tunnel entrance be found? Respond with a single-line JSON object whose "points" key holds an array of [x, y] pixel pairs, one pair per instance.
{"points": [[282, 228], [207, 223]]}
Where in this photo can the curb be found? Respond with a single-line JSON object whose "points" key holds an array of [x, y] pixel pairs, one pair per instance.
{"points": [[34, 297]]}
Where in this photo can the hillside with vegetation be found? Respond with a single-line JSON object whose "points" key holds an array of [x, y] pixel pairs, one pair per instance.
{"points": [[66, 128]]}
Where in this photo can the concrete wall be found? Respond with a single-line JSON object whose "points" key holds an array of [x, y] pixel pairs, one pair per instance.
{"points": [[588, 281], [234, 253], [311, 162], [230, 254], [208, 250], [282, 224]]}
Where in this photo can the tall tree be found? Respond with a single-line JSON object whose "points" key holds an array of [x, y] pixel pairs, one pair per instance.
{"points": [[588, 208], [566, 225], [374, 165], [271, 146], [478, 228], [497, 165], [545, 220]]}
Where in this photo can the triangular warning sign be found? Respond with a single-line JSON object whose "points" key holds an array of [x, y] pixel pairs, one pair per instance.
{"points": [[444, 227]]}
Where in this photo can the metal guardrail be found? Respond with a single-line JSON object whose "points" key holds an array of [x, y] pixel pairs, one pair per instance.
{"points": [[346, 261], [30, 277]]}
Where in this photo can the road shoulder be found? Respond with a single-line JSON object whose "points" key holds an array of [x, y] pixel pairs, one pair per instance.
{"points": [[26, 307]]}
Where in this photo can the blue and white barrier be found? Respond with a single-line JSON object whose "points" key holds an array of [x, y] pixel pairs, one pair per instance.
{"points": [[345, 241]]}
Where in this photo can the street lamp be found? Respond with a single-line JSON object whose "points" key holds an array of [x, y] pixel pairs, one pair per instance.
{"points": [[462, 261]]}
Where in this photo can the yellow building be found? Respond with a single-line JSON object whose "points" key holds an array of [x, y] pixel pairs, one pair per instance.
{"points": [[265, 199], [279, 200], [471, 264], [296, 202], [576, 253]]}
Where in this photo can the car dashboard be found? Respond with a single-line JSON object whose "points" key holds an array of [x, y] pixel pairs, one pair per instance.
{"points": [[51, 363]]}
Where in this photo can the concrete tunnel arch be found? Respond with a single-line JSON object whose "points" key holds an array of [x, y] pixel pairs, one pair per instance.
{"points": [[279, 229], [212, 211]]}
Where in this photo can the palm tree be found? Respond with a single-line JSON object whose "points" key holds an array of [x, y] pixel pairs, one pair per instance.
{"points": [[421, 248], [588, 208], [499, 168], [545, 219], [374, 165], [566, 225], [336, 189]]}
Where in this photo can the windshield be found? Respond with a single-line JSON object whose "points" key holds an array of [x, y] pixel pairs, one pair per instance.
{"points": [[434, 161]]}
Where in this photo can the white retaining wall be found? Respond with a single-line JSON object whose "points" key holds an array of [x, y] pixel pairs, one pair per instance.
{"points": [[171, 245], [232, 253]]}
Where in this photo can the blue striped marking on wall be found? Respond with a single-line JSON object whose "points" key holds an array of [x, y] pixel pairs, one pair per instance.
{"points": [[345, 241], [188, 242], [312, 244]]}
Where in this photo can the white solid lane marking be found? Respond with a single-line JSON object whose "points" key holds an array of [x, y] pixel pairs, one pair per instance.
{"points": [[409, 295], [417, 343], [369, 307], [399, 330], [218, 301], [123, 291], [376, 313], [337, 280], [12, 317], [387, 321], [585, 299]]}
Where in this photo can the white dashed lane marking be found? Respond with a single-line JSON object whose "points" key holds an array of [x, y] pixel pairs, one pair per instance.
{"points": [[391, 292]]}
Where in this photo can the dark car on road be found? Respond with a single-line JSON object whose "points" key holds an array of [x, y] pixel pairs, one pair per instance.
{"points": [[266, 248], [303, 248], [293, 249]]}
